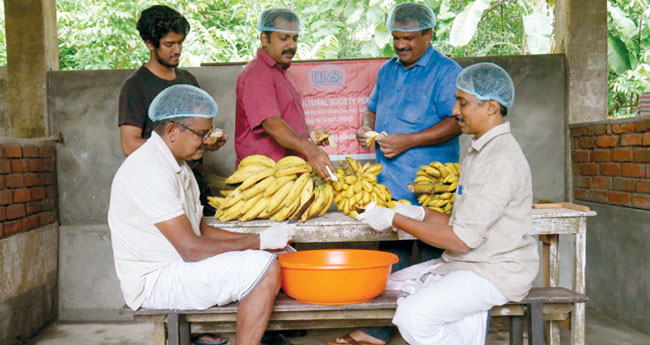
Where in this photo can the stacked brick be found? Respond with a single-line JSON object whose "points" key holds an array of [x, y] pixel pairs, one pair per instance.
{"points": [[611, 162], [27, 187]]}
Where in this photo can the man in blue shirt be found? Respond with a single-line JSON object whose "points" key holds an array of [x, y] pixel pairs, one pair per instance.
{"points": [[412, 101]]}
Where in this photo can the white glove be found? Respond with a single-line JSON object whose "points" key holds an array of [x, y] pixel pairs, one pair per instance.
{"points": [[378, 218], [413, 212], [277, 236]]}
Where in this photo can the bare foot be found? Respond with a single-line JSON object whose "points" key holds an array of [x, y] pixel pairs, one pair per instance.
{"points": [[360, 337]]}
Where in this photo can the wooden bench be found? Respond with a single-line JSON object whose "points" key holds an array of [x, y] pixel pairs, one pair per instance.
{"points": [[541, 304]]}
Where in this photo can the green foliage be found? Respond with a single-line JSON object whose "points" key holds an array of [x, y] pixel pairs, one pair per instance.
{"points": [[628, 55], [101, 34]]}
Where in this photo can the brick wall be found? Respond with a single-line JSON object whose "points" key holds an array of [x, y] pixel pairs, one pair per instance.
{"points": [[611, 162], [27, 186]]}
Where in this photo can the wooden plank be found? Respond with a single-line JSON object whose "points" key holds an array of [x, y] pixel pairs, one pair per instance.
{"points": [[159, 333], [567, 205]]}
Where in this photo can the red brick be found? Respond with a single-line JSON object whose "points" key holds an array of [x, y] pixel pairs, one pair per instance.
{"points": [[622, 128], [32, 180], [578, 132], [600, 156], [630, 139], [643, 187], [586, 143], [13, 227], [582, 181], [622, 155], [2, 230], [642, 126], [641, 201], [3, 184], [624, 184], [30, 222], [597, 130], [606, 141], [601, 182], [21, 195], [47, 178], [46, 218], [575, 168], [642, 155], [30, 151], [3, 213], [598, 196], [2, 150], [580, 156], [646, 139], [580, 194], [6, 196], [610, 169], [46, 151], [33, 207], [37, 193], [48, 165], [19, 166], [633, 170], [35, 165], [51, 192], [574, 144], [13, 151], [588, 169], [617, 198], [15, 180], [5, 166], [48, 204], [15, 211]]}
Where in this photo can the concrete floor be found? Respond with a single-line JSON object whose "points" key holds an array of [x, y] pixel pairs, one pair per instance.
{"points": [[600, 331]]}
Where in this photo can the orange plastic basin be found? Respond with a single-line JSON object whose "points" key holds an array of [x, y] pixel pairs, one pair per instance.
{"points": [[335, 276]]}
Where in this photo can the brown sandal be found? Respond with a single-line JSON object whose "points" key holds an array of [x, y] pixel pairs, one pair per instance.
{"points": [[348, 341]]}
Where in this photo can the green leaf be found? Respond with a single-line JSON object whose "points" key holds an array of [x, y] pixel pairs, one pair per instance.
{"points": [[375, 15], [538, 29], [617, 55], [373, 2], [444, 12], [466, 22], [381, 38], [356, 15], [625, 26]]}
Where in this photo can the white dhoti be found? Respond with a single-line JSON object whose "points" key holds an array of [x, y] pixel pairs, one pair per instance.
{"points": [[446, 309], [218, 280]]}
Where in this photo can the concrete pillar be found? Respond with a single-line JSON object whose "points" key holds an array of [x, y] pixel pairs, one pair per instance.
{"points": [[581, 34], [30, 27]]}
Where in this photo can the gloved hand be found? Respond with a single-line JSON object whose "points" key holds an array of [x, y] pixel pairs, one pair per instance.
{"points": [[378, 218], [277, 236], [413, 212]]}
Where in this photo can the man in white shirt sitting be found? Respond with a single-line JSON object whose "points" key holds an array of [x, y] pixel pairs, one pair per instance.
{"points": [[490, 257], [166, 256]]}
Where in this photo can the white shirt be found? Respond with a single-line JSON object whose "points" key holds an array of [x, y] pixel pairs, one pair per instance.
{"points": [[493, 215], [149, 187]]}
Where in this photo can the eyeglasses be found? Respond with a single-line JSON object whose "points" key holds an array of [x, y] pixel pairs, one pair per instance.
{"points": [[203, 136]]}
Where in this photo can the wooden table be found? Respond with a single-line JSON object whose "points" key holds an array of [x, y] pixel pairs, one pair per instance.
{"points": [[548, 224]]}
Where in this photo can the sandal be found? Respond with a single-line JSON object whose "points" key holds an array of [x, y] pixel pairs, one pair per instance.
{"points": [[348, 341]]}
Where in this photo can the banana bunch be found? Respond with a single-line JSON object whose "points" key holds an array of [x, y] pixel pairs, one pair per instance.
{"points": [[323, 196], [357, 186], [435, 185], [267, 189], [371, 136], [325, 139]]}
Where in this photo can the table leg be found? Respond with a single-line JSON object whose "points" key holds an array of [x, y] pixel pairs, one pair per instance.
{"points": [[578, 315], [159, 333], [535, 323], [516, 330], [179, 330], [551, 267]]}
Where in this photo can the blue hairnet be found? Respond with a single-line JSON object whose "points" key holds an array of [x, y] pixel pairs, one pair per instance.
{"points": [[268, 19], [487, 81], [182, 100], [409, 17]]}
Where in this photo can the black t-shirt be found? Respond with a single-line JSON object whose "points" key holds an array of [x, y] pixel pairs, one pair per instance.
{"points": [[139, 89]]}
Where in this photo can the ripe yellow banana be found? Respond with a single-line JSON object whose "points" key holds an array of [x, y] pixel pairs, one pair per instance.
{"points": [[294, 192], [278, 183], [329, 195], [262, 174], [374, 169], [256, 210], [284, 212], [232, 212], [306, 191], [249, 204], [256, 160], [354, 165], [233, 198], [369, 177], [259, 187], [277, 199], [452, 168], [291, 170], [289, 161], [242, 174]]}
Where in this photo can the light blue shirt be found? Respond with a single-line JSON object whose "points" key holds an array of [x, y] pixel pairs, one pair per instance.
{"points": [[411, 100]]}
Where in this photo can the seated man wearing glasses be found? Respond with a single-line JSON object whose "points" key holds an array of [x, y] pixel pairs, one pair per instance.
{"points": [[166, 256]]}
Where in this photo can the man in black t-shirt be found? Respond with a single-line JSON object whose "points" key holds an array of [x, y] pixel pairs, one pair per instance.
{"points": [[163, 31]]}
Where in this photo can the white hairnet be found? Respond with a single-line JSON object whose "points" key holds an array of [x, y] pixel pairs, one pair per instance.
{"points": [[182, 100], [268, 21], [408, 17], [487, 81]]}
